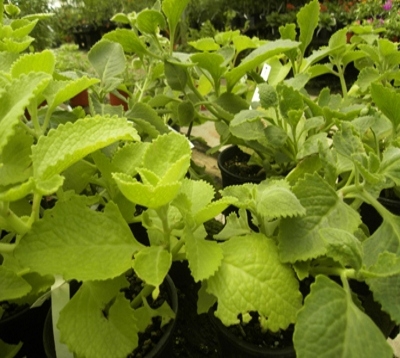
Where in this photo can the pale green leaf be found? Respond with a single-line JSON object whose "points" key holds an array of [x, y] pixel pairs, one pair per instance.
{"points": [[248, 125], [173, 10], [213, 209], [16, 45], [199, 192], [152, 264], [307, 20], [245, 193], [205, 44], [212, 63], [205, 300], [252, 278], [389, 166], [299, 237], [129, 41], [145, 314], [330, 325], [235, 226], [17, 192], [99, 322], [149, 21], [71, 142], [16, 98], [145, 112], [10, 350], [48, 185], [86, 245], [34, 62], [12, 285], [388, 264], [128, 158], [204, 256], [388, 101], [242, 43]]}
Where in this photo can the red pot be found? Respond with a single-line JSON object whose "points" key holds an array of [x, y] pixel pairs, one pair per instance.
{"points": [[81, 99], [115, 101]]}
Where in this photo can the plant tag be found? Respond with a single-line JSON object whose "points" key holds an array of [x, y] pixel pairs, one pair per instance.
{"points": [[264, 74], [59, 298]]}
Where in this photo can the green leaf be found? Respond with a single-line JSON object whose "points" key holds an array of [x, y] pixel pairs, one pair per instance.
{"points": [[145, 314], [205, 44], [388, 101], [242, 43], [331, 325], [204, 256], [389, 166], [71, 142], [307, 20], [145, 112], [212, 63], [9, 350], [343, 247], [235, 226], [149, 21], [108, 60], [347, 143], [248, 125], [128, 158], [129, 41], [152, 264], [98, 321], [256, 58], [300, 237], [15, 161], [17, 192], [89, 246], [176, 75], [213, 209], [252, 278], [173, 10], [186, 113], [35, 62], [12, 285], [16, 97]]}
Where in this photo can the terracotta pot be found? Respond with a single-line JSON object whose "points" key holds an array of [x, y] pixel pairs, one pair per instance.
{"points": [[115, 101], [81, 99]]}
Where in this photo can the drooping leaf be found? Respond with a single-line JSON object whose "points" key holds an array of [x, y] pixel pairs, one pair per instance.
{"points": [[252, 278], [331, 325], [89, 245], [98, 321]]}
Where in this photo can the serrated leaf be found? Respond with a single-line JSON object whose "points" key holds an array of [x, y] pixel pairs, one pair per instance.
{"points": [[128, 158], [205, 44], [242, 43], [12, 285], [212, 63], [17, 192], [248, 125], [252, 278], [145, 314], [16, 98], [299, 237], [149, 21], [347, 143], [16, 45], [245, 193], [213, 209], [89, 245], [152, 264], [93, 329], [307, 20], [71, 142], [129, 41], [49, 185], [235, 226], [331, 325], [145, 112], [388, 101], [343, 247], [34, 62], [204, 256]]}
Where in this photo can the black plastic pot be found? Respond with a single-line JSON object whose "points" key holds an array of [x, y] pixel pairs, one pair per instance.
{"points": [[26, 326], [231, 178], [164, 347], [232, 346]]}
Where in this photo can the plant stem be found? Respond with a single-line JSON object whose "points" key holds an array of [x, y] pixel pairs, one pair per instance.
{"points": [[145, 292], [18, 225], [6, 248]]}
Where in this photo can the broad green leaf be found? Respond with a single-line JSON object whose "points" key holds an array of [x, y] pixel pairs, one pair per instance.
{"points": [[204, 256], [16, 98], [213, 209], [245, 193], [165, 151], [367, 76], [300, 237], [152, 264], [89, 245], [49, 185], [343, 247], [200, 193], [145, 314], [176, 75], [16, 45], [388, 264], [145, 112], [212, 63], [389, 166], [256, 58], [248, 125], [331, 325], [108, 60], [307, 20], [186, 113], [149, 21], [231, 103], [99, 322], [252, 278], [347, 143], [205, 44], [205, 300], [128, 158], [9, 350], [15, 159], [17, 192], [129, 41], [34, 62], [71, 142], [235, 226], [146, 195], [242, 43], [388, 101], [12, 285]]}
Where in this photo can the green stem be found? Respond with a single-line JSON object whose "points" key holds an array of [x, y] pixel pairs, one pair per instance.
{"points": [[162, 213], [145, 292], [35, 214], [142, 90], [175, 250], [46, 121], [6, 248], [342, 82], [34, 119], [18, 225]]}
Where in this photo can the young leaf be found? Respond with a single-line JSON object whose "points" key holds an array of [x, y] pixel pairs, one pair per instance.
{"points": [[307, 20], [388, 101], [176, 75], [129, 41], [331, 325], [99, 322], [91, 246], [252, 278], [173, 10], [149, 21], [34, 62], [71, 142], [212, 63]]}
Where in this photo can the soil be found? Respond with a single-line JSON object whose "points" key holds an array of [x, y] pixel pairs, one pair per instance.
{"points": [[239, 167]]}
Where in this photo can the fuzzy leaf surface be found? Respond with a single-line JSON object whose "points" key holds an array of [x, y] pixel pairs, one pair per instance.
{"points": [[71, 142], [34, 62], [252, 278], [12, 286], [92, 329], [331, 325], [299, 236], [77, 242]]}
